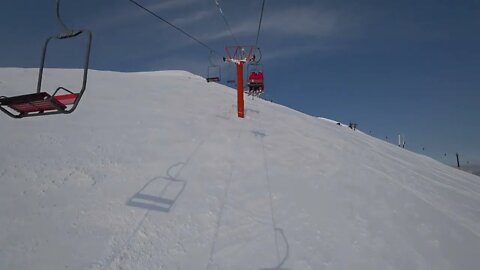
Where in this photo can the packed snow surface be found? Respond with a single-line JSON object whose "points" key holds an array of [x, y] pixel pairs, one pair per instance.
{"points": [[155, 171], [475, 169]]}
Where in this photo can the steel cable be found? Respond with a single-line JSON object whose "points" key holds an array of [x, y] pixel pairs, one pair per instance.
{"points": [[174, 26], [260, 24], [217, 3]]}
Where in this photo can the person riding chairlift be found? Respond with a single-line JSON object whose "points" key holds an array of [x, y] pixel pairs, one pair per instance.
{"points": [[260, 81], [252, 78]]}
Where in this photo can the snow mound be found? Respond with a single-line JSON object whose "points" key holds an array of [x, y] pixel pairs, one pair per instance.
{"points": [[155, 171]]}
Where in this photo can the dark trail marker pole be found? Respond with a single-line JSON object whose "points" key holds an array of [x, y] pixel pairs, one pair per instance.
{"points": [[458, 162]]}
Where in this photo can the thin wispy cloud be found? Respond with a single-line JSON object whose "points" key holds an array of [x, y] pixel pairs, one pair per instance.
{"points": [[171, 4], [294, 22], [193, 18], [302, 21], [291, 51], [130, 13]]}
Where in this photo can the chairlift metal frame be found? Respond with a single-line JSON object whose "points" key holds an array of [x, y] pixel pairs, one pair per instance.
{"points": [[256, 66], [213, 69], [42, 103]]}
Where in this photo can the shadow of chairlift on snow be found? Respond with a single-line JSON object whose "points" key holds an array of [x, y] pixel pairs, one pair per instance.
{"points": [[160, 193], [258, 133], [287, 252], [252, 111], [222, 117]]}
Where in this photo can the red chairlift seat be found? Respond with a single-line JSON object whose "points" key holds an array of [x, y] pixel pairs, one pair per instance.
{"points": [[38, 102], [255, 80]]}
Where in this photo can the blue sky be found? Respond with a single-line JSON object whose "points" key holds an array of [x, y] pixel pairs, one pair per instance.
{"points": [[409, 67]]}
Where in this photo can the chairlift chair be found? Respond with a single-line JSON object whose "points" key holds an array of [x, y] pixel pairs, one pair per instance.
{"points": [[256, 83], [63, 100], [213, 71], [231, 76]]}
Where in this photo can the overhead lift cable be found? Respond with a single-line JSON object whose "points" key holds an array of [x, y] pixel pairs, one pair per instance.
{"points": [[256, 83], [217, 3], [260, 23], [174, 26]]}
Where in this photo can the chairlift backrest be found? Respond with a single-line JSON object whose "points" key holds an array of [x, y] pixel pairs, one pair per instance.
{"points": [[214, 73]]}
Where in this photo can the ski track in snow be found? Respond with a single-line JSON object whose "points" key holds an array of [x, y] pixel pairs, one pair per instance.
{"points": [[470, 191], [211, 263], [182, 165], [260, 136], [433, 203], [276, 229]]}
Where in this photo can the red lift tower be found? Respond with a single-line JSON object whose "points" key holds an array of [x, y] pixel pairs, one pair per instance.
{"points": [[239, 55]]}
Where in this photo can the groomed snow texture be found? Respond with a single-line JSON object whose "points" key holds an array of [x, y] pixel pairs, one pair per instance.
{"points": [[155, 171]]}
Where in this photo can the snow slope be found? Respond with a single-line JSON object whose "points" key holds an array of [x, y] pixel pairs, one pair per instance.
{"points": [[154, 171], [471, 168]]}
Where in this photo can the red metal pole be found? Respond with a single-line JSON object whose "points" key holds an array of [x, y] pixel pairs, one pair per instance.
{"points": [[240, 105]]}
